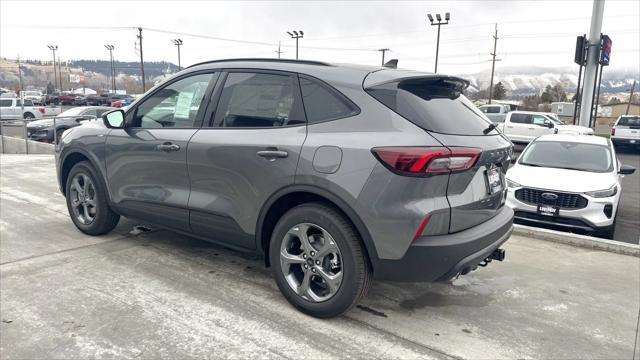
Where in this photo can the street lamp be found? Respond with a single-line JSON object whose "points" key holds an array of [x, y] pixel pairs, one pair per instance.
{"points": [[113, 74], [53, 48], [296, 35], [178, 43], [438, 22]]}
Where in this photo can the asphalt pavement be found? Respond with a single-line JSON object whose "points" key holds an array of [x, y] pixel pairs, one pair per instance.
{"points": [[156, 294]]}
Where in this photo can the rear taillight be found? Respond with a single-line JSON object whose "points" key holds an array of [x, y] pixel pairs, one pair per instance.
{"points": [[41, 110], [613, 131], [421, 161]]}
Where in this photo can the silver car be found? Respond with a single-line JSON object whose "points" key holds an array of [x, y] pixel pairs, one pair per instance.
{"points": [[336, 174]]}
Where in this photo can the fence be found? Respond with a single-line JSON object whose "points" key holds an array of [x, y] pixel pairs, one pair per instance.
{"points": [[14, 139]]}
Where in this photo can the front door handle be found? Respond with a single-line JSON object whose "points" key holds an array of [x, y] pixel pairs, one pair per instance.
{"points": [[168, 147], [272, 154]]}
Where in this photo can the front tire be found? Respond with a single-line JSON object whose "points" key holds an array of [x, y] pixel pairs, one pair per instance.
{"points": [[319, 263], [87, 201]]}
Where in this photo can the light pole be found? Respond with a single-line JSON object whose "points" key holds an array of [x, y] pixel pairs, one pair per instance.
{"points": [[439, 22], [113, 74], [178, 43], [53, 48], [296, 35]]}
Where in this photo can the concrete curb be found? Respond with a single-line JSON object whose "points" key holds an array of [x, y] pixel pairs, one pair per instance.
{"points": [[582, 241]]}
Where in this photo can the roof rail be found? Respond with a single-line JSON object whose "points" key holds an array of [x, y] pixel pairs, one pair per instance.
{"points": [[291, 61]]}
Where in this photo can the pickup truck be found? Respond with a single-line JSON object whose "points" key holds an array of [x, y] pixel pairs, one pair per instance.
{"points": [[495, 113], [626, 131], [524, 126], [11, 109]]}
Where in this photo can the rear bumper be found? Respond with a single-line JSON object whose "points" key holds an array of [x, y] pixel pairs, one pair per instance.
{"points": [[442, 257]]}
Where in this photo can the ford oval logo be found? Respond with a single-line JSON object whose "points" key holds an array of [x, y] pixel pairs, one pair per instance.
{"points": [[549, 196]]}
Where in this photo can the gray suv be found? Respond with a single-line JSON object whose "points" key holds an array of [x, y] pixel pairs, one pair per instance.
{"points": [[336, 174]]}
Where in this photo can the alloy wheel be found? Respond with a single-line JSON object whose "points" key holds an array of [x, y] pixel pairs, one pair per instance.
{"points": [[311, 262], [83, 198]]}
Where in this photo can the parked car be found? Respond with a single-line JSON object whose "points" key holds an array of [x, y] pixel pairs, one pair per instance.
{"points": [[34, 95], [119, 101], [52, 99], [496, 113], [43, 130], [626, 131], [524, 126], [320, 168], [80, 100], [12, 109], [568, 181], [94, 100], [67, 98]]}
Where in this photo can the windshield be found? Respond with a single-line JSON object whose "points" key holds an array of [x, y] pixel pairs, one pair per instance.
{"points": [[72, 112], [629, 121], [568, 155]]}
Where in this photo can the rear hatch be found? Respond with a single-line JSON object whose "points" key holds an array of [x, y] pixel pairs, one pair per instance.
{"points": [[435, 103], [627, 127]]}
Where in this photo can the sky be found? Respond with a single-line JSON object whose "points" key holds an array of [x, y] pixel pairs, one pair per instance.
{"points": [[531, 33]]}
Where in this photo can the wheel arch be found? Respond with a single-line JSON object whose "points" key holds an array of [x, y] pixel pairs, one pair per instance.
{"points": [[286, 198], [74, 156]]}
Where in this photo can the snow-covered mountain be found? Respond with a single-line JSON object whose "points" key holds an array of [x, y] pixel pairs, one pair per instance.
{"points": [[531, 80]]}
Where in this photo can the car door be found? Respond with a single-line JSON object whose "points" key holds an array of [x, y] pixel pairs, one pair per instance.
{"points": [[7, 109], [538, 126], [249, 151], [518, 127], [146, 161]]}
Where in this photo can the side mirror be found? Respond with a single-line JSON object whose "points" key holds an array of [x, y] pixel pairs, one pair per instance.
{"points": [[626, 170], [548, 124], [114, 119]]}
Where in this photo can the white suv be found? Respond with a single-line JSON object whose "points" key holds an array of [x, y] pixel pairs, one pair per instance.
{"points": [[567, 181], [626, 131]]}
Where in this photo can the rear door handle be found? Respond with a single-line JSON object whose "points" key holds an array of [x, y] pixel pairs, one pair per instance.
{"points": [[272, 154], [168, 147]]}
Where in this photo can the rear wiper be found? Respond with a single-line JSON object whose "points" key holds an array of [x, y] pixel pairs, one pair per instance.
{"points": [[489, 128]]}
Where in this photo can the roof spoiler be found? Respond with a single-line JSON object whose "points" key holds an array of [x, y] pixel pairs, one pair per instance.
{"points": [[391, 64]]}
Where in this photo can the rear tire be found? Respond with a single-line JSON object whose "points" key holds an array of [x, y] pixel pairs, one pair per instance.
{"points": [[28, 115], [87, 201], [333, 260]]}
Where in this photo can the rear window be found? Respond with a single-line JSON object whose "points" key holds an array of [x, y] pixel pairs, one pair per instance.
{"points": [[433, 103], [629, 121], [568, 155], [490, 109]]}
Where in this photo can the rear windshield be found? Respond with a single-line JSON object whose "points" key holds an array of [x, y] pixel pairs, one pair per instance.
{"points": [[434, 104], [490, 109], [568, 155], [629, 121]]}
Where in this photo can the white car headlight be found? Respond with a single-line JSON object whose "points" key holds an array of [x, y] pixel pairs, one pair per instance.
{"points": [[603, 193], [512, 184]]}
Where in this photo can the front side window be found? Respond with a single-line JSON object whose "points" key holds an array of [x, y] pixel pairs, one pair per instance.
{"points": [[174, 106], [538, 120], [322, 103], [258, 100], [568, 155]]}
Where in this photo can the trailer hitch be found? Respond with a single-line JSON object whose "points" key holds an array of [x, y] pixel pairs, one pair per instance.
{"points": [[497, 254]]}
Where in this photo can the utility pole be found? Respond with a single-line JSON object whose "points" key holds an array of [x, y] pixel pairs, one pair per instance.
{"points": [[440, 22], [113, 74], [178, 43], [20, 94], [53, 48], [144, 87], [633, 87], [60, 71], [279, 52], [493, 61], [296, 35], [591, 70], [383, 51]]}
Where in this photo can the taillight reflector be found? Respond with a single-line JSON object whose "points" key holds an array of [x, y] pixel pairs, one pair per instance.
{"points": [[421, 227], [420, 161], [41, 110]]}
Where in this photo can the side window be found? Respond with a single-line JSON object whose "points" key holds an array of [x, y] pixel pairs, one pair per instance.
{"points": [[174, 106], [258, 100], [18, 103], [90, 112], [519, 118], [322, 103], [99, 112], [538, 120], [28, 103], [493, 109], [5, 102]]}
